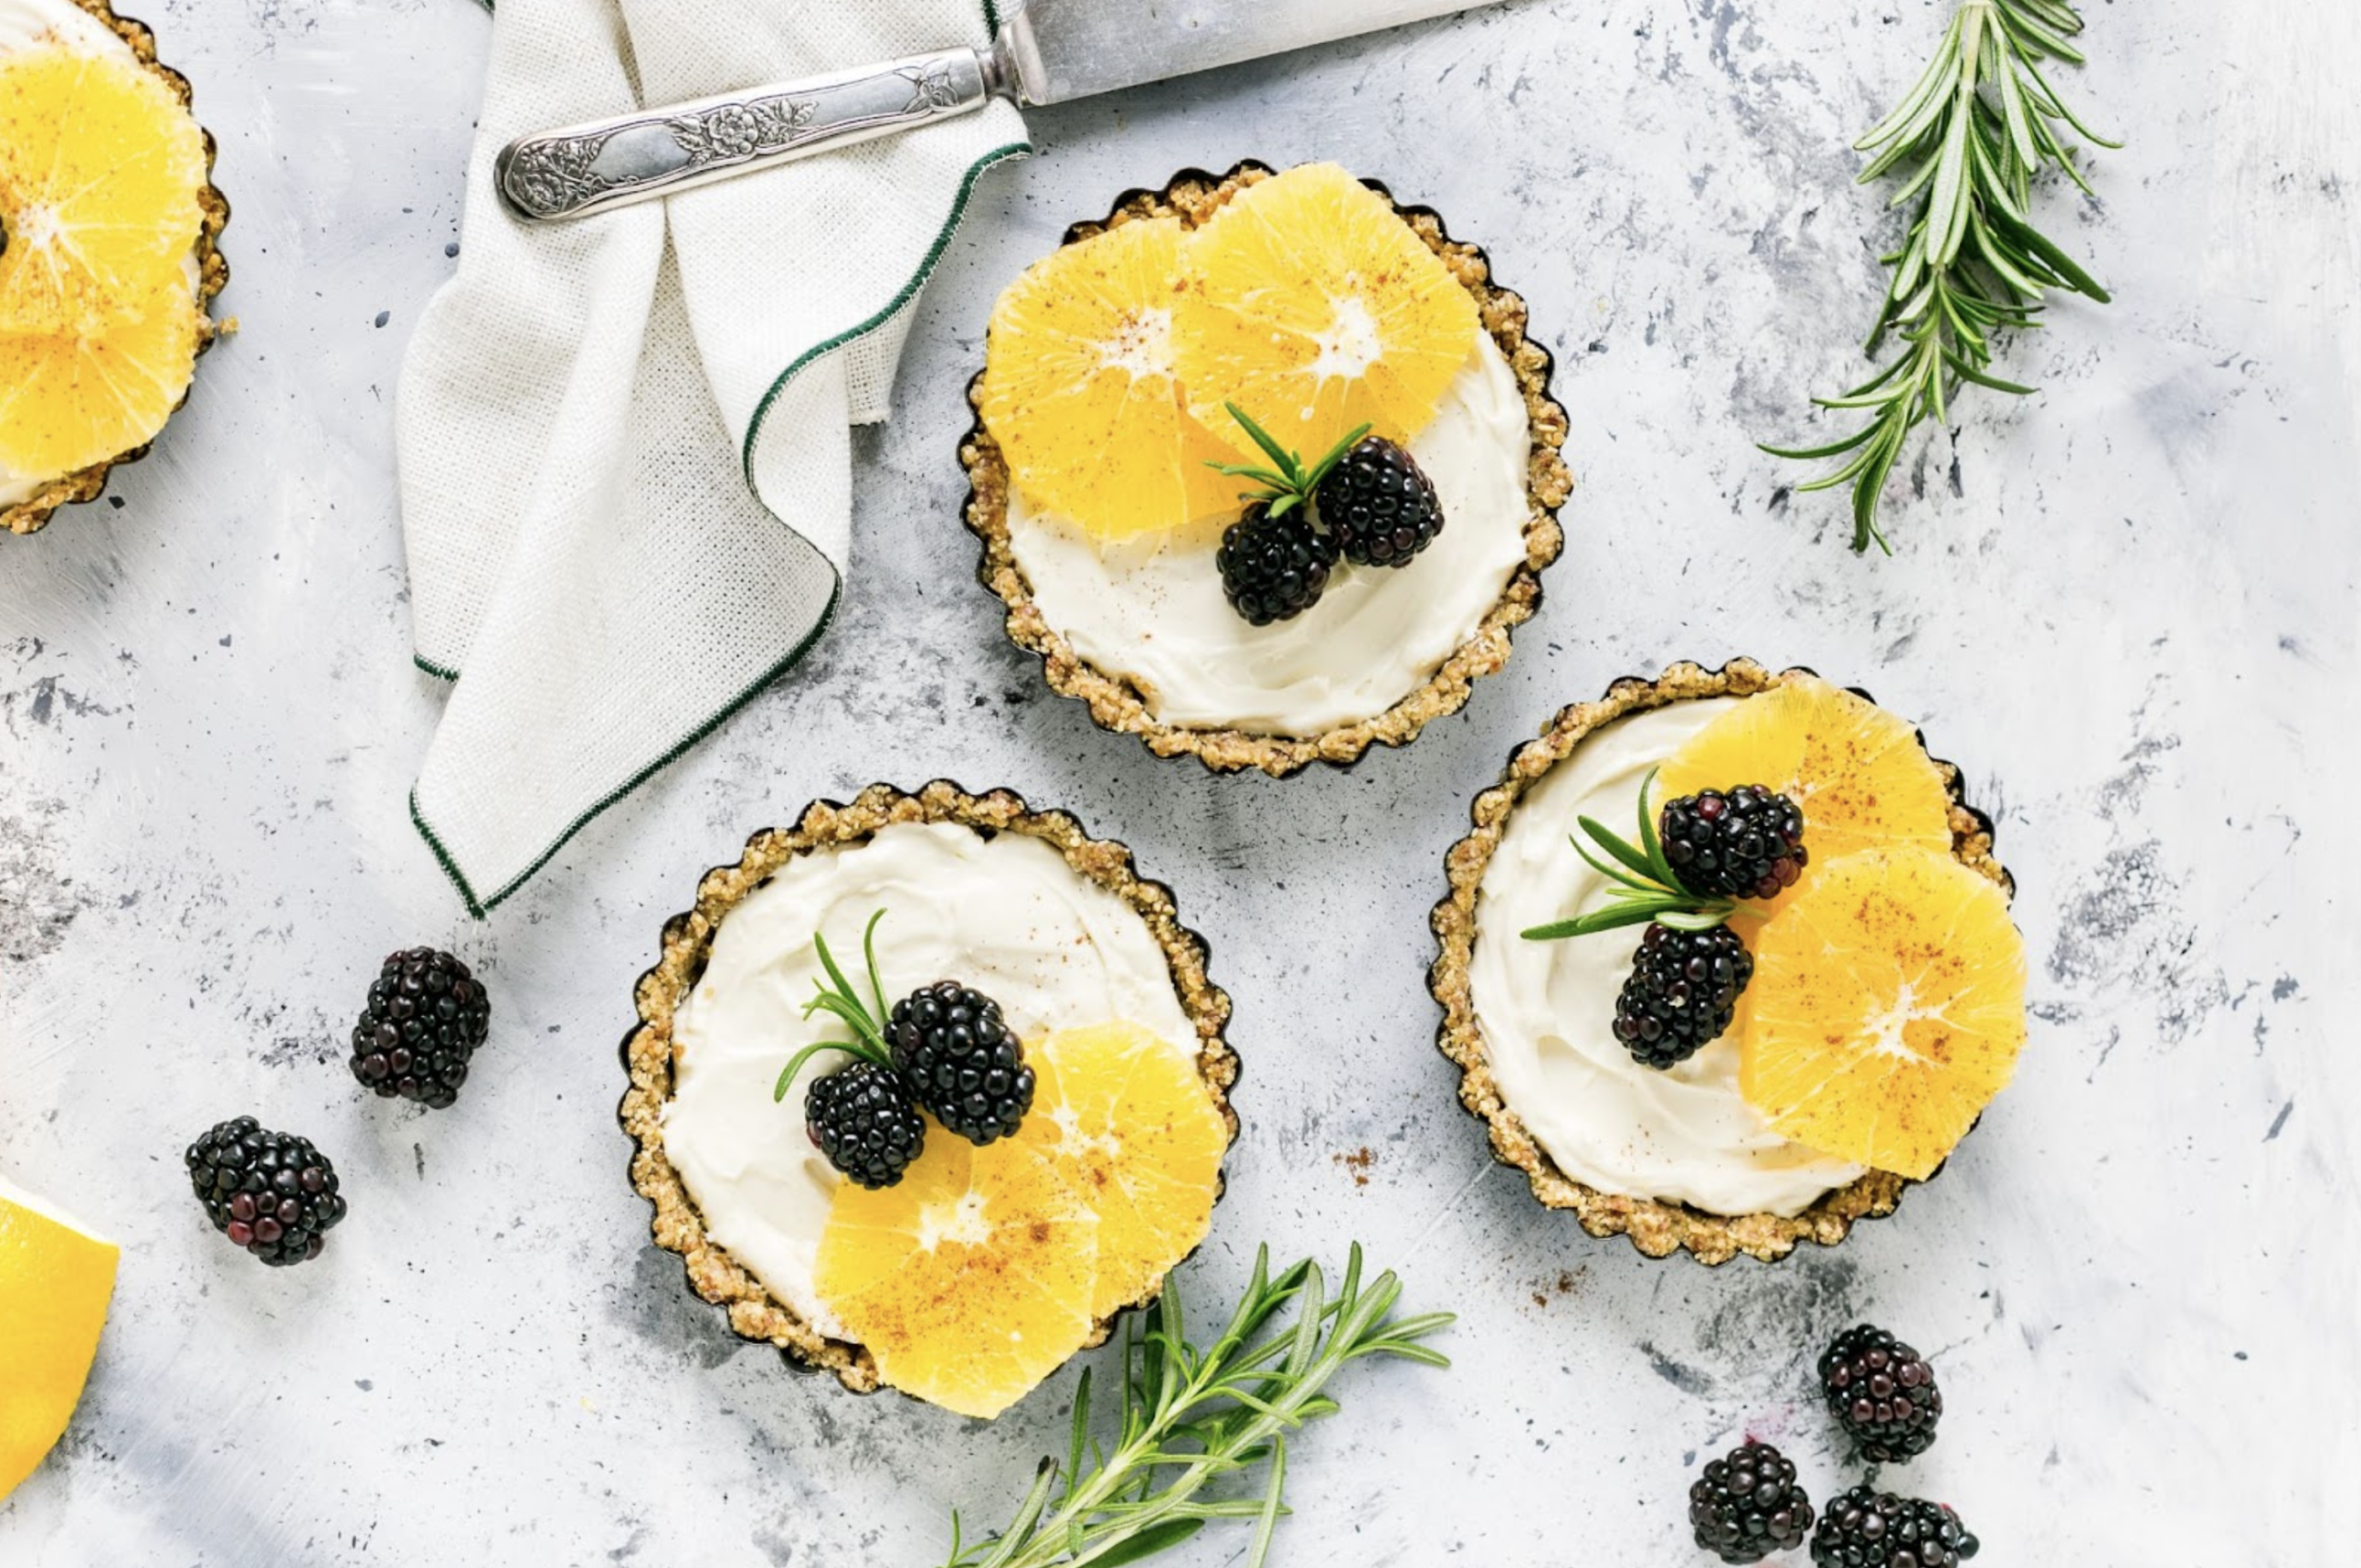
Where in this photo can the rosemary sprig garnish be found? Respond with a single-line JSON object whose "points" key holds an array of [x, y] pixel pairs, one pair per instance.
{"points": [[844, 1003], [1641, 886], [1192, 1416], [1976, 132], [1287, 482]]}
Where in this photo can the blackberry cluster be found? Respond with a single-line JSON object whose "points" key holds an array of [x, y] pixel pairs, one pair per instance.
{"points": [[424, 1018], [1274, 568], [1742, 843], [272, 1193], [1746, 1505], [1864, 1528], [1378, 504], [1882, 1392], [964, 1063], [865, 1121], [1682, 993]]}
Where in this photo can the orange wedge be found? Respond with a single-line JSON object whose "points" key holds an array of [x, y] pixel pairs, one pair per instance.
{"points": [[1127, 1120], [1858, 773], [1313, 307], [1080, 389], [970, 1280], [100, 172], [56, 1279], [1888, 1009], [70, 399]]}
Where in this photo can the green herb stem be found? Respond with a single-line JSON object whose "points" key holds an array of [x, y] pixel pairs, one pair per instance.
{"points": [[1974, 133], [1191, 1416]]}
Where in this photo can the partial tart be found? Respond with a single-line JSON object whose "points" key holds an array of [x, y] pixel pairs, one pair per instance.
{"points": [[1124, 606], [1687, 1159], [108, 255], [974, 1249]]}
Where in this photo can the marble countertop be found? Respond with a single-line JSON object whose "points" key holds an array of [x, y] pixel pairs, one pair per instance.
{"points": [[2125, 606]]}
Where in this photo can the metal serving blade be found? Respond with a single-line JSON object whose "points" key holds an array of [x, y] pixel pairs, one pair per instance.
{"points": [[1050, 52], [1063, 50]]}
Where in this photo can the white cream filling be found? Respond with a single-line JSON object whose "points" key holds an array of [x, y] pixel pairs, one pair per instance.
{"points": [[1006, 914], [27, 24], [1546, 1009], [1153, 611]]}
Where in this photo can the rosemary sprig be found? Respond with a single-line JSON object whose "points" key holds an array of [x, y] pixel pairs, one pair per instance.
{"points": [[1974, 133], [1641, 886], [841, 1002], [1192, 1416], [1287, 482]]}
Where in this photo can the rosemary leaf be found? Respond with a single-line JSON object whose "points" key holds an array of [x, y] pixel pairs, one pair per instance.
{"points": [[1969, 138]]}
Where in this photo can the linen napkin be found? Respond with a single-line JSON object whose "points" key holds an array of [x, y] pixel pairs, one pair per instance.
{"points": [[623, 442]]}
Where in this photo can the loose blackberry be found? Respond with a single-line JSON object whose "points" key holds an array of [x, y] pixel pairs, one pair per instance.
{"points": [[272, 1193], [1683, 990], [1864, 1529], [865, 1120], [424, 1018], [1274, 568], [1746, 1505], [963, 1062], [1380, 504], [1882, 1393], [1742, 843]]}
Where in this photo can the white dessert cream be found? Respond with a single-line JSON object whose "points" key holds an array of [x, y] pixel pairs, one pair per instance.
{"points": [[1152, 612], [1546, 1009], [1004, 915], [44, 24]]}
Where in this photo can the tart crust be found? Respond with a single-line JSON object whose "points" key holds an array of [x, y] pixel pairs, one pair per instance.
{"points": [[1118, 706], [32, 514], [1656, 1228], [650, 1052]]}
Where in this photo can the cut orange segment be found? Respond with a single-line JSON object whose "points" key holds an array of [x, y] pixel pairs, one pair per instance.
{"points": [[968, 1279], [56, 1279], [1130, 1124], [100, 172], [1888, 1009], [1857, 772], [69, 399], [1080, 390], [1314, 308]]}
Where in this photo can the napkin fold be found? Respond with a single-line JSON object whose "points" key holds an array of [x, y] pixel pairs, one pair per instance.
{"points": [[624, 442]]}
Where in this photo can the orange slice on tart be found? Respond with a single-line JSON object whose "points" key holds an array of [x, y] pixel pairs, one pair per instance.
{"points": [[1888, 1008], [1127, 1120], [1313, 306], [1858, 773], [970, 1280], [1082, 393]]}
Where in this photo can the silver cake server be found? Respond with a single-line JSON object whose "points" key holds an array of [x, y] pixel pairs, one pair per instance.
{"points": [[1050, 52]]}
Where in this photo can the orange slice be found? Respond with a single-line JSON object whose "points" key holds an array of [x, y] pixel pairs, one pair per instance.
{"points": [[1078, 388], [968, 1279], [100, 170], [1858, 773], [1130, 1124], [1888, 1009], [56, 1279], [71, 399], [1313, 307]]}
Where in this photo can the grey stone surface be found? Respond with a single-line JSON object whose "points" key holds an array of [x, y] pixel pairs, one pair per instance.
{"points": [[2126, 607]]}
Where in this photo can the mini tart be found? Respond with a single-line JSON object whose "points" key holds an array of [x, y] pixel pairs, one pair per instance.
{"points": [[32, 514], [1115, 703], [649, 1051], [1657, 1228]]}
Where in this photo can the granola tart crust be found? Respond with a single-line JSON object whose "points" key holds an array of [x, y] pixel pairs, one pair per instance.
{"points": [[32, 514], [1658, 1229], [649, 1050], [1116, 704]]}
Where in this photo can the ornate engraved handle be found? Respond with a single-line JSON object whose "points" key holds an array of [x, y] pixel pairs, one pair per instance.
{"points": [[631, 157]]}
